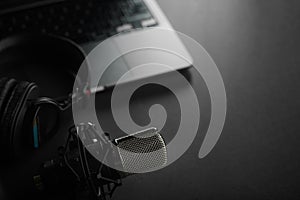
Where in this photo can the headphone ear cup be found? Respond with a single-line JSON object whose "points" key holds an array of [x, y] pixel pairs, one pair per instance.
{"points": [[6, 88], [12, 118]]}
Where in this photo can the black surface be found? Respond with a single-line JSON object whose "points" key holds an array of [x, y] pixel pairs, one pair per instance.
{"points": [[256, 47]]}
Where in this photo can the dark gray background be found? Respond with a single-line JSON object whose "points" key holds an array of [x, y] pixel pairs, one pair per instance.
{"points": [[256, 46]]}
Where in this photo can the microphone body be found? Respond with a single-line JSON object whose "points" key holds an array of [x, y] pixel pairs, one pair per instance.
{"points": [[78, 164]]}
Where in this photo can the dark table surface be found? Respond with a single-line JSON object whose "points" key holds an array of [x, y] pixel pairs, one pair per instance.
{"points": [[256, 46]]}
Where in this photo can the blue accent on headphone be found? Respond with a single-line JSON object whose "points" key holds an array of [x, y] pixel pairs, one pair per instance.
{"points": [[35, 134]]}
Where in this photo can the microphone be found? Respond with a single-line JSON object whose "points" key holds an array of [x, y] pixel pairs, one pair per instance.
{"points": [[142, 152], [79, 161]]}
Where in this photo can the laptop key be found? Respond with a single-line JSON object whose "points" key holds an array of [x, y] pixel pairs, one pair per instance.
{"points": [[79, 21], [139, 17]]}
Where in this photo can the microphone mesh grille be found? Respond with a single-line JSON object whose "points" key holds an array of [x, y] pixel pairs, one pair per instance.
{"points": [[142, 152]]}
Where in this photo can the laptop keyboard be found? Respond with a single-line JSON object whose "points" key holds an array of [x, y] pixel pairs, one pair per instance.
{"points": [[82, 21]]}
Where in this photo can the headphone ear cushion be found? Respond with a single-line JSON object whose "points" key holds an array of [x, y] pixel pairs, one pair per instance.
{"points": [[6, 88], [12, 115]]}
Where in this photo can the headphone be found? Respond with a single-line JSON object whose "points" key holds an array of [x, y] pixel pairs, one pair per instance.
{"points": [[21, 107]]}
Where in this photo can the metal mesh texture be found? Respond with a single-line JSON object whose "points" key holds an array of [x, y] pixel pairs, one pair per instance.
{"points": [[142, 152]]}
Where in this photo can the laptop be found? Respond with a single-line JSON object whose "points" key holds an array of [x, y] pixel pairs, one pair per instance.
{"points": [[89, 22]]}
